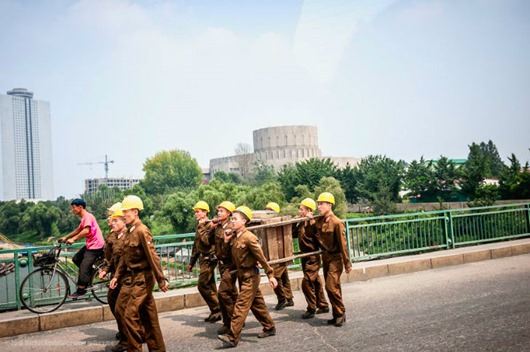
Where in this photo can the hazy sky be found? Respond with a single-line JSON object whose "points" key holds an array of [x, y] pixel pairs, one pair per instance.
{"points": [[394, 77]]}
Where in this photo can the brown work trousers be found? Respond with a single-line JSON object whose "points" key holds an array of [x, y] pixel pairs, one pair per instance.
{"points": [[136, 305], [283, 290], [227, 293], [250, 298], [112, 299], [312, 285], [206, 284], [333, 266]]}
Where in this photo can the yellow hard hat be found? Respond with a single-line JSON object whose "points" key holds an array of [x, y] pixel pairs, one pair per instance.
{"points": [[309, 203], [113, 208], [245, 211], [228, 206], [326, 197], [132, 202], [201, 205], [118, 213], [273, 206]]}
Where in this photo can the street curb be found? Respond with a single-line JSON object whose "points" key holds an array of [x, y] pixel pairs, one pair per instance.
{"points": [[24, 322]]}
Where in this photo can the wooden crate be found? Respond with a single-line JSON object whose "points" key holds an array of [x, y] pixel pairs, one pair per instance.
{"points": [[276, 241]]}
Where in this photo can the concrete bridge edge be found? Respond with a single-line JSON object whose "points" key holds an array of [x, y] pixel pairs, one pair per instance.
{"points": [[28, 322]]}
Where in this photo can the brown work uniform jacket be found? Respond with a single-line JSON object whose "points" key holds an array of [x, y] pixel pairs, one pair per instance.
{"points": [[113, 251], [217, 234], [331, 237], [201, 242], [306, 234], [139, 253], [246, 252]]}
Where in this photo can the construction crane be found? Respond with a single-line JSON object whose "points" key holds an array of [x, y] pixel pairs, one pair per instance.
{"points": [[106, 163]]}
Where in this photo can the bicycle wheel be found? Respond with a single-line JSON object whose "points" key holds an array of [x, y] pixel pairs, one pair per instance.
{"points": [[44, 290], [100, 287]]}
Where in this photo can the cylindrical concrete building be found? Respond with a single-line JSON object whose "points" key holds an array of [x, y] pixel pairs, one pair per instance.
{"points": [[278, 146]]}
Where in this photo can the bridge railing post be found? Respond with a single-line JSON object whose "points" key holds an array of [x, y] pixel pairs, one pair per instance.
{"points": [[448, 230]]}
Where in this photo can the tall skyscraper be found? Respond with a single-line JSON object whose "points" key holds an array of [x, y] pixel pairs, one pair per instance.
{"points": [[25, 139]]}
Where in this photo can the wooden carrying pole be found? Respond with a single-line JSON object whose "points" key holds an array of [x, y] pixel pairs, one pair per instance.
{"points": [[296, 256]]}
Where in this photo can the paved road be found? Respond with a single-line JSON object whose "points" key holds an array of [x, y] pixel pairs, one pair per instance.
{"points": [[483, 306]]}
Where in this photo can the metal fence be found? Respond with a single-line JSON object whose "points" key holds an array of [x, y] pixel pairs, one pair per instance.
{"points": [[367, 238], [384, 236]]}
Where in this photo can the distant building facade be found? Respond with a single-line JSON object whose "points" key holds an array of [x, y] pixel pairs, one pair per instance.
{"points": [[26, 155], [278, 146], [92, 185]]}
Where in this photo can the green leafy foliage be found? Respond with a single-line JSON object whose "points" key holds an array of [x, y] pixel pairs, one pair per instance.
{"points": [[170, 171]]}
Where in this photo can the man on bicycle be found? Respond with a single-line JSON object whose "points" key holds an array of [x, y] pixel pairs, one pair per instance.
{"points": [[93, 249]]}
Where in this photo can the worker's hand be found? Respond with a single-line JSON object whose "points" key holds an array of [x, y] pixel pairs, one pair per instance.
{"points": [[164, 287], [70, 241], [228, 235], [273, 282], [102, 274], [63, 239], [113, 283]]}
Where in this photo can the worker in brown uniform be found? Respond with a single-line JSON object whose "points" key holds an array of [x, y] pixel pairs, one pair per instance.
{"points": [[203, 250], [283, 291], [137, 271], [245, 249], [312, 285], [227, 292], [331, 236], [113, 251]]}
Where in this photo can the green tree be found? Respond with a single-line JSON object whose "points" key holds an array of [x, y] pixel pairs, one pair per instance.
{"points": [[474, 171], [40, 219], [178, 209], [308, 172], [418, 179], [515, 180], [257, 197], [11, 215], [377, 172], [227, 177], [348, 177], [263, 173], [169, 171], [445, 177]]}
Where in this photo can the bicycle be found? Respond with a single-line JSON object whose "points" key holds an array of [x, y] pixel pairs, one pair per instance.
{"points": [[46, 288]]}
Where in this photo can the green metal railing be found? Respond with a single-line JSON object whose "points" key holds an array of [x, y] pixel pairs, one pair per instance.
{"points": [[367, 238], [384, 236]]}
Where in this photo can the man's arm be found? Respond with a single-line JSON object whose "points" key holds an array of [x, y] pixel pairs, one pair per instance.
{"points": [[81, 233]]}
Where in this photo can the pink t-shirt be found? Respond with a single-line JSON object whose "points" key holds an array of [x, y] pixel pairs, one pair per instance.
{"points": [[94, 239]]}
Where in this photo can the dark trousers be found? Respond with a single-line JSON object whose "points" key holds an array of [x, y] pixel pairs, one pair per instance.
{"points": [[283, 290], [312, 285], [250, 299], [206, 285], [84, 259], [227, 293]]}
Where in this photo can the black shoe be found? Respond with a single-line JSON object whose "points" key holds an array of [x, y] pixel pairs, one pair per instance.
{"points": [[322, 310], [308, 314], [120, 347], [281, 305], [223, 330], [77, 294], [226, 341], [213, 317], [290, 303], [331, 321], [267, 333], [340, 320]]}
